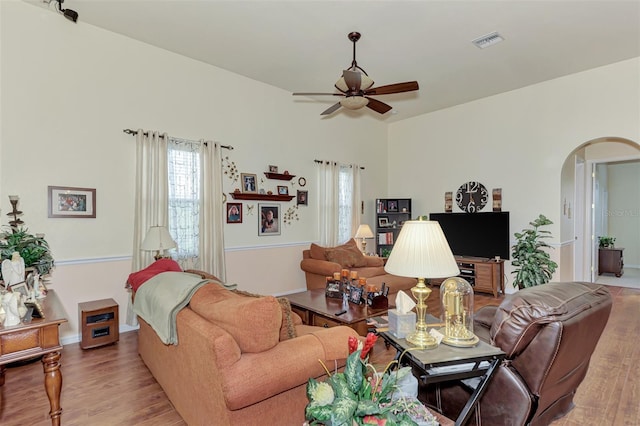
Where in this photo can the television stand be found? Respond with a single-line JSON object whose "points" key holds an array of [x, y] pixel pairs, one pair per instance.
{"points": [[484, 275]]}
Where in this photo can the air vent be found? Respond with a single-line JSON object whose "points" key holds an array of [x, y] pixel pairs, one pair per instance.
{"points": [[487, 40]]}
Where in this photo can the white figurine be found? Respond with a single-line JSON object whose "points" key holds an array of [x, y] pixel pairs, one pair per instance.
{"points": [[13, 270], [10, 305]]}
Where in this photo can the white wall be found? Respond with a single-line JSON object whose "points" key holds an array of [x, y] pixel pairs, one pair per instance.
{"points": [[68, 91], [517, 141], [623, 212]]}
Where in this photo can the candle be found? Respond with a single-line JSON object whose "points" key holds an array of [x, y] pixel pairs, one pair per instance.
{"points": [[362, 282], [345, 273], [336, 276], [354, 275]]}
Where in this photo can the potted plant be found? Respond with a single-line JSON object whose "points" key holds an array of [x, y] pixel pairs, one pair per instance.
{"points": [[606, 241], [33, 249], [360, 395], [533, 265]]}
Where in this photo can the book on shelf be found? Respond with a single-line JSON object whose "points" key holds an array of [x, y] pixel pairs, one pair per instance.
{"points": [[385, 238]]}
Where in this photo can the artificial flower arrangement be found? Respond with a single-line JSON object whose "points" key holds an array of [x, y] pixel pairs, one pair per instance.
{"points": [[354, 397]]}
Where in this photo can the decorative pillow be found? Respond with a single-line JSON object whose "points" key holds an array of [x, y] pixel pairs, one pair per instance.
{"points": [[347, 255], [254, 323], [288, 329], [317, 252], [136, 279]]}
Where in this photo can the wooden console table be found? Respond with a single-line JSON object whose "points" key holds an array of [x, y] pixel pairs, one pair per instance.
{"points": [[40, 337]]}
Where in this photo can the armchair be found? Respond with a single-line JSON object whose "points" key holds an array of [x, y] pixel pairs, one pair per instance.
{"points": [[548, 333]]}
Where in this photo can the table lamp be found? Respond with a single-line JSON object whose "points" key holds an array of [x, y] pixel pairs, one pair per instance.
{"points": [[363, 232], [421, 251], [158, 239]]}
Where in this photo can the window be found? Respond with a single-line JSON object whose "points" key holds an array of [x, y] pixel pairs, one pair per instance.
{"points": [[184, 196]]}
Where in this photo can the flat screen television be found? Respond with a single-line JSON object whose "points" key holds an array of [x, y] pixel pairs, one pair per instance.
{"points": [[476, 234]]}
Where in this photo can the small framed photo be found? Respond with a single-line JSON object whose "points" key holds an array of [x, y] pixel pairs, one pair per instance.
{"points": [[65, 201], [302, 198], [35, 308], [355, 294], [392, 206], [333, 289], [20, 288], [283, 190], [249, 183], [234, 212], [383, 222], [273, 169], [269, 223]]}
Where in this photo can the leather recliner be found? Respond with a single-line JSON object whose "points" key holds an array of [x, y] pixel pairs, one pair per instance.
{"points": [[548, 333]]}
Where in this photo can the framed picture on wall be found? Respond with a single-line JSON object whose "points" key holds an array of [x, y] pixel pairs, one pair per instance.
{"points": [[302, 198], [269, 219], [69, 202], [234, 212], [249, 183], [283, 190]]}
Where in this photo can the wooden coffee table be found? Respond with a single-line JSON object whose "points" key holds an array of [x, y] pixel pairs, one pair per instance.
{"points": [[316, 309]]}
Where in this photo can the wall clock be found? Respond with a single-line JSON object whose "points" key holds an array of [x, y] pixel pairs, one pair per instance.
{"points": [[472, 197]]}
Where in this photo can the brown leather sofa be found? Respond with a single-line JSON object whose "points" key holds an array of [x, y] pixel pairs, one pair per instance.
{"points": [[319, 262], [548, 333]]}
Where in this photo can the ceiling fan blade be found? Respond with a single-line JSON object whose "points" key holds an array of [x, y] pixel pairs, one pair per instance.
{"points": [[317, 94], [352, 79], [331, 109], [408, 86], [377, 106]]}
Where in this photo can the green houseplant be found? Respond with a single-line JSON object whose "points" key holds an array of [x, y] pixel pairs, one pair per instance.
{"points": [[532, 264], [33, 249], [606, 241]]}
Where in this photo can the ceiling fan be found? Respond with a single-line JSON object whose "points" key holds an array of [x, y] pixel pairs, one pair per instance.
{"points": [[355, 87]]}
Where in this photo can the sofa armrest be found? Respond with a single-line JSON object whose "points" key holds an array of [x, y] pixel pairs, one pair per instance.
{"points": [[257, 376], [484, 316], [482, 320], [374, 261], [320, 267]]}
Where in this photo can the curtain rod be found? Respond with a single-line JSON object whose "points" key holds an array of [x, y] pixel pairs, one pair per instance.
{"points": [[320, 162], [135, 132]]}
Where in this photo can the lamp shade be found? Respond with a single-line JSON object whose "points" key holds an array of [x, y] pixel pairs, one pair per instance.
{"points": [[421, 251], [364, 231], [354, 102], [158, 238]]}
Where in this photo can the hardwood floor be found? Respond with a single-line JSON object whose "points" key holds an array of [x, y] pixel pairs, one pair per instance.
{"points": [[111, 386]]}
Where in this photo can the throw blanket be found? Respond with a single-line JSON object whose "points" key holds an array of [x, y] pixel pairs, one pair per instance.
{"points": [[160, 299]]}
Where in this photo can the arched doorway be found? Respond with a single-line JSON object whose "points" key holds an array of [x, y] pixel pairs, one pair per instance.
{"points": [[585, 210]]}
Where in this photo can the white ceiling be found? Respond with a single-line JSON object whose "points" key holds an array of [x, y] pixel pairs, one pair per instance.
{"points": [[303, 46]]}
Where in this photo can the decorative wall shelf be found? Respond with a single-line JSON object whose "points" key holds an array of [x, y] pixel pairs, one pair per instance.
{"points": [[263, 197], [278, 176]]}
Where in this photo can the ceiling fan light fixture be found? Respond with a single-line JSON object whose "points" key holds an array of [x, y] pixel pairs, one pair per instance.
{"points": [[365, 83], [354, 102]]}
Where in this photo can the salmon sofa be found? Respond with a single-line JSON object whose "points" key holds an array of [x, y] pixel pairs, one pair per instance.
{"points": [[239, 359]]}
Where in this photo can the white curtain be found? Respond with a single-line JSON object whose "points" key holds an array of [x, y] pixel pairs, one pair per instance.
{"points": [[151, 198], [328, 202], [211, 248], [151, 192]]}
